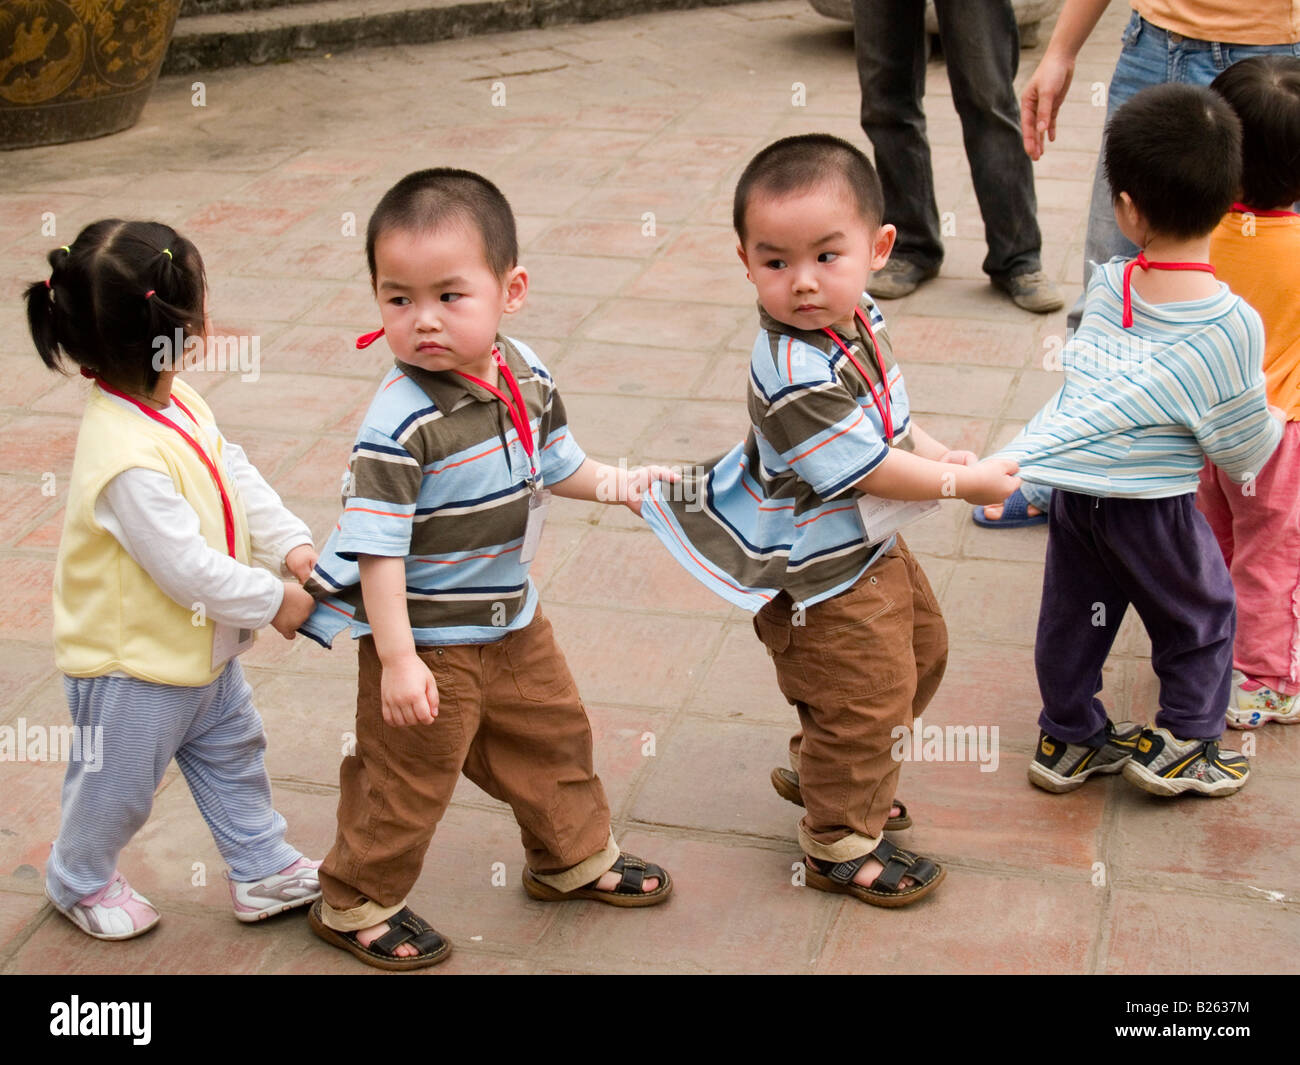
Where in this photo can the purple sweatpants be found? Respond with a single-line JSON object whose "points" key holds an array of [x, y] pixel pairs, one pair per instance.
{"points": [[1160, 556]]}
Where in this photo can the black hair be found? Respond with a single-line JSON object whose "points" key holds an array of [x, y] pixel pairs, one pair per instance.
{"points": [[1264, 91], [95, 309], [802, 162], [1176, 150], [425, 200]]}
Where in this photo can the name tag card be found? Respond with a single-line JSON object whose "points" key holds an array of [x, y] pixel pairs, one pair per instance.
{"points": [[538, 504], [881, 518], [227, 642]]}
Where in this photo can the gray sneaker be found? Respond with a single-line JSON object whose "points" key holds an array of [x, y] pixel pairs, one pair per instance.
{"points": [[898, 278], [1031, 291], [1166, 765], [1059, 767]]}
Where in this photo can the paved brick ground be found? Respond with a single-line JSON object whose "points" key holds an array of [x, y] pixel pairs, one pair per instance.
{"points": [[648, 336]]}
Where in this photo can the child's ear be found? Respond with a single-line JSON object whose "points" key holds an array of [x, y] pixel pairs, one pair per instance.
{"points": [[882, 245], [740, 250], [516, 288], [1128, 212]]}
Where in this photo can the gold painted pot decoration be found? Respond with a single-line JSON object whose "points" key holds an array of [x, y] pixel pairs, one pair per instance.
{"points": [[76, 69]]}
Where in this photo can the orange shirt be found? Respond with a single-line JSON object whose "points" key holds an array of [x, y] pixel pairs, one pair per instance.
{"points": [[1259, 259], [1228, 21]]}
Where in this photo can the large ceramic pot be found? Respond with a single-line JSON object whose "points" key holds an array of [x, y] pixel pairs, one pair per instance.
{"points": [[75, 69], [1029, 14]]}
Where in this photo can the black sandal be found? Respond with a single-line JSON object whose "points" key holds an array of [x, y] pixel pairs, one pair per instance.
{"points": [[786, 783], [404, 927], [884, 890], [628, 892]]}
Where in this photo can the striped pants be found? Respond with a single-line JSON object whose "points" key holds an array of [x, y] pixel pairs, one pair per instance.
{"points": [[214, 733]]}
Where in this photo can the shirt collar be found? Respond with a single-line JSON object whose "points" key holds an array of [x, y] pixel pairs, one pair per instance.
{"points": [[447, 388], [815, 337]]}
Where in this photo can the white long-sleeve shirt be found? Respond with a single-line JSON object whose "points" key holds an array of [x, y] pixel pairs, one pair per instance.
{"points": [[159, 529]]}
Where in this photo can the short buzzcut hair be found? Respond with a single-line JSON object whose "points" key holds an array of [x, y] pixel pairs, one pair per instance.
{"points": [[1176, 150], [427, 199], [1264, 92], [802, 162]]}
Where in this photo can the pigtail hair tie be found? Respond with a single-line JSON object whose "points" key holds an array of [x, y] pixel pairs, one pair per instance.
{"points": [[149, 293]]}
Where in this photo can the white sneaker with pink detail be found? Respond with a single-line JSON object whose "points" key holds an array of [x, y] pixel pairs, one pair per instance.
{"points": [[294, 886], [115, 911], [1251, 704]]}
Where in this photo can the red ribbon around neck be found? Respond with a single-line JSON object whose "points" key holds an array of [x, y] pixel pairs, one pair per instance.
{"points": [[886, 410], [1145, 264]]}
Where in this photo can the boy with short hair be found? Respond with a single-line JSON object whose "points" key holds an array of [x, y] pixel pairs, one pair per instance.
{"points": [[849, 619], [446, 489], [1164, 369], [1256, 251]]}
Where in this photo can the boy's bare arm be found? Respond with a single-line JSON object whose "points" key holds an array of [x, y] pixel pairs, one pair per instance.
{"points": [[598, 483], [407, 689], [909, 476], [928, 447]]}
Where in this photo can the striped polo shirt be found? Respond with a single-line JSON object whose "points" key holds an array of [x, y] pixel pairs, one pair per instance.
{"points": [[1141, 408], [439, 477], [778, 511]]}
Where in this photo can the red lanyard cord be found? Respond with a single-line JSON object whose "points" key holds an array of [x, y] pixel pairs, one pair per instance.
{"points": [[518, 412], [1141, 261], [1260, 212], [886, 409], [227, 511]]}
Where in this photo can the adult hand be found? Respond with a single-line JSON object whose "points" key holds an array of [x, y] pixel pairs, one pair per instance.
{"points": [[1039, 103]]}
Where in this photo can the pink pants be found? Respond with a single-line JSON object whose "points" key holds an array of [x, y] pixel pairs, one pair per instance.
{"points": [[1257, 525]]}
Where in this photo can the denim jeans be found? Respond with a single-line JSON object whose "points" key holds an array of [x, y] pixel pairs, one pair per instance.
{"points": [[1150, 56], [981, 45]]}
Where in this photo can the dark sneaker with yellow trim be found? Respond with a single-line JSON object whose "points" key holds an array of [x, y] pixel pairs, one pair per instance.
{"points": [[1059, 767], [1166, 765]]}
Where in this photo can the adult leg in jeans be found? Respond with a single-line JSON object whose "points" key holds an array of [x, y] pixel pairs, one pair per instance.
{"points": [[889, 40], [981, 46]]}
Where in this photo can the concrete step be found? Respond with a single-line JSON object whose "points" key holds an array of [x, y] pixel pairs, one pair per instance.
{"points": [[225, 33], [191, 8]]}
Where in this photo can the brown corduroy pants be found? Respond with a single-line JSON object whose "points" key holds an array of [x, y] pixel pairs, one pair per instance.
{"points": [[855, 667], [510, 718]]}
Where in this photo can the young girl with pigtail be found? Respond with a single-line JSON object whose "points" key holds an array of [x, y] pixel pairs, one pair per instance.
{"points": [[162, 578]]}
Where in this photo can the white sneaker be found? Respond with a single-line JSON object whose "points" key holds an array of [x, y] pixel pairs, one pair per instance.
{"points": [[1251, 704], [297, 885], [115, 911]]}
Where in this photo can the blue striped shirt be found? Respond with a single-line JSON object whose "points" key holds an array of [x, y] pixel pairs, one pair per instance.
{"points": [[778, 512], [1141, 408], [438, 476]]}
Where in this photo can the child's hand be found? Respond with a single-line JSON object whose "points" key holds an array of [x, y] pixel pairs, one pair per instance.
{"points": [[300, 561], [961, 458], [1277, 413], [408, 692], [991, 481], [295, 608], [639, 481]]}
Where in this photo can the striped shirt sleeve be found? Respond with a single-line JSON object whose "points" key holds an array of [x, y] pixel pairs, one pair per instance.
{"points": [[383, 488], [559, 454], [1237, 433], [817, 426]]}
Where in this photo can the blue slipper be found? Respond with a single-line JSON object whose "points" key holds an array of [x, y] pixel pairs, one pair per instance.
{"points": [[1015, 514]]}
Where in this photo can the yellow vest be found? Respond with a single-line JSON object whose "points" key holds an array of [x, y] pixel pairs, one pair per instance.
{"points": [[109, 615]]}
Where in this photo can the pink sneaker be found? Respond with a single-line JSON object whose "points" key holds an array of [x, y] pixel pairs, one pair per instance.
{"points": [[297, 885], [115, 911]]}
